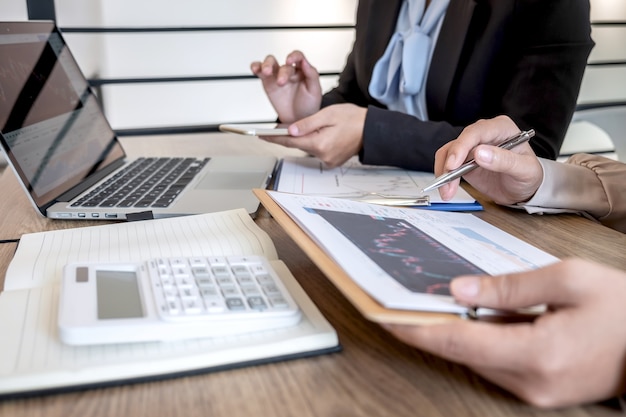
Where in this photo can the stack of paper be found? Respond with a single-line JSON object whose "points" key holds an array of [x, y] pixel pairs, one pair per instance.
{"points": [[373, 184]]}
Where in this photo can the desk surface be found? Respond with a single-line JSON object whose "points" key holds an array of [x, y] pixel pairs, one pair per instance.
{"points": [[374, 375]]}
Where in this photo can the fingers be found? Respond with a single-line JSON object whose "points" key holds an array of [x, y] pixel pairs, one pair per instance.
{"points": [[492, 131], [255, 67], [271, 68], [562, 283], [296, 67], [310, 124], [455, 153], [517, 165], [298, 130], [295, 58], [448, 191], [470, 343]]}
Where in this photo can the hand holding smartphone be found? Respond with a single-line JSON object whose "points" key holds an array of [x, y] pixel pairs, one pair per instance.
{"points": [[257, 129]]}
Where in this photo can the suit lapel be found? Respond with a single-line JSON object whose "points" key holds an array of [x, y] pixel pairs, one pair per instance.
{"points": [[446, 55], [385, 14]]}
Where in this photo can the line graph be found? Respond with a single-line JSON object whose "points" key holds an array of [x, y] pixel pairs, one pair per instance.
{"points": [[415, 260]]}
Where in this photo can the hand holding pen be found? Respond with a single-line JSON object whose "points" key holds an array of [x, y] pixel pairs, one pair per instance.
{"points": [[471, 165], [506, 177]]}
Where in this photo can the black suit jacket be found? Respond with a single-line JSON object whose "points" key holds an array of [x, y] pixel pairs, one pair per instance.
{"points": [[522, 58]]}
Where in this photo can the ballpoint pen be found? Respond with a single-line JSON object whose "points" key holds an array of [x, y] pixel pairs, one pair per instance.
{"points": [[470, 165]]}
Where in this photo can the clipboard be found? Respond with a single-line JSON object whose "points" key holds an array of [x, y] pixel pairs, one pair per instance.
{"points": [[367, 306]]}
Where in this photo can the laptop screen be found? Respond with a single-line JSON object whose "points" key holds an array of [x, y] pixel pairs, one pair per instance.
{"points": [[53, 130]]}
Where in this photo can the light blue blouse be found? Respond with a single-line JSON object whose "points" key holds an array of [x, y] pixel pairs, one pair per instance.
{"points": [[399, 77]]}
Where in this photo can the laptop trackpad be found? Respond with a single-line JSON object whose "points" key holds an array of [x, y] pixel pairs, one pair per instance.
{"points": [[231, 181]]}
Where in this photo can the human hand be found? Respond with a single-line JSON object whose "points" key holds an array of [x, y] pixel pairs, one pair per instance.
{"points": [[294, 88], [334, 134], [572, 354], [505, 176]]}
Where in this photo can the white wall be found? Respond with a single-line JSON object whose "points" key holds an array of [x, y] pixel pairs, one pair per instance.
{"points": [[199, 53], [13, 10], [127, 55], [602, 130]]}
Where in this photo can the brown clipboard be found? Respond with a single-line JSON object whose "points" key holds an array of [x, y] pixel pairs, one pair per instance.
{"points": [[369, 307]]}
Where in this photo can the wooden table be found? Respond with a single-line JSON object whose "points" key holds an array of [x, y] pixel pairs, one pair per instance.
{"points": [[374, 375]]}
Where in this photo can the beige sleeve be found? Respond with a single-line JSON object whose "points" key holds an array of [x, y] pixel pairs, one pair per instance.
{"points": [[587, 184]]}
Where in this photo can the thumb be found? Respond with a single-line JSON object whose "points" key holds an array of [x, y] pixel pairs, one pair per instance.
{"points": [[554, 285], [496, 159], [309, 124], [311, 79], [309, 71]]}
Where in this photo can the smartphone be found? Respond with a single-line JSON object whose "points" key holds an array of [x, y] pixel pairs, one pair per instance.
{"points": [[257, 129]]}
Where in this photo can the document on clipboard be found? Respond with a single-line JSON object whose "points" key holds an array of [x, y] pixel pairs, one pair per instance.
{"points": [[395, 264], [382, 185]]}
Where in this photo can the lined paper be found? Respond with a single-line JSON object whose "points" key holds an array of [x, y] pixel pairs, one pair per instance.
{"points": [[32, 357]]}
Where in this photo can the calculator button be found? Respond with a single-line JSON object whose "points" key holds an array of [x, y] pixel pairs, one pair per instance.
{"points": [[164, 270], [235, 304], [251, 290], [237, 269], [264, 279], [230, 291], [190, 292], [215, 306], [278, 302], [214, 260], [245, 281], [185, 282], [173, 307], [200, 271], [210, 292], [170, 292], [192, 306], [178, 262], [180, 272], [271, 290], [213, 287], [167, 282], [225, 281], [257, 303], [197, 262], [220, 271], [204, 282], [258, 269]]}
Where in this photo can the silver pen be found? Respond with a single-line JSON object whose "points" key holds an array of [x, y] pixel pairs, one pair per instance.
{"points": [[470, 165]]}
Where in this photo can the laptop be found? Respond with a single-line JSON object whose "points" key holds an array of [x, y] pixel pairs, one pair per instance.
{"points": [[69, 160]]}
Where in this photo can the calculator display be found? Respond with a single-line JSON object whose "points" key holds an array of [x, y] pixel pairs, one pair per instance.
{"points": [[118, 295]]}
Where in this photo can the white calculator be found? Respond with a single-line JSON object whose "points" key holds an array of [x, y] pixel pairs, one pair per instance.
{"points": [[172, 298]]}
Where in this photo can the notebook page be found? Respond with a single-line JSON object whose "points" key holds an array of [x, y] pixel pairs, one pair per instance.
{"points": [[33, 358], [40, 257]]}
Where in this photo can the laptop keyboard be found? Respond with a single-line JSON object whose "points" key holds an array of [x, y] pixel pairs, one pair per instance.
{"points": [[146, 182]]}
